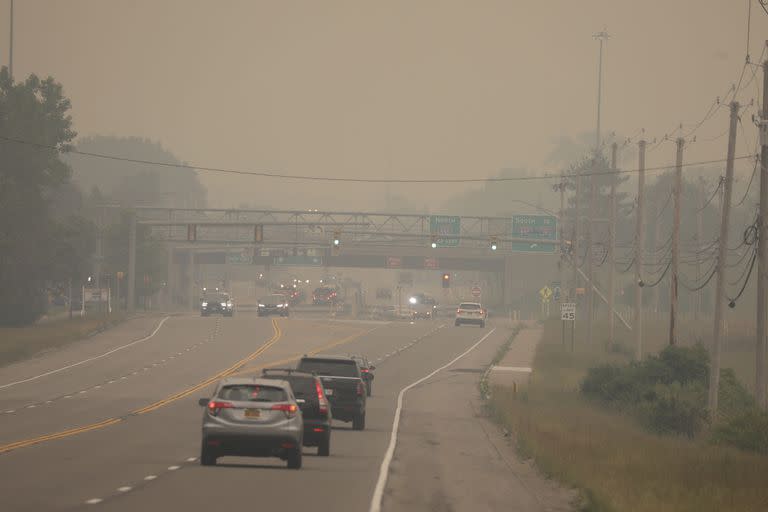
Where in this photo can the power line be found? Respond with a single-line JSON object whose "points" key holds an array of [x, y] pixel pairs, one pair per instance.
{"points": [[669, 264], [714, 193], [554, 175], [749, 185]]}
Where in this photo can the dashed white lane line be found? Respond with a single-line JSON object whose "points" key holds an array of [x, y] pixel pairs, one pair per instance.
{"points": [[93, 501], [173, 468], [191, 459], [10, 411], [105, 354], [124, 489], [149, 478]]}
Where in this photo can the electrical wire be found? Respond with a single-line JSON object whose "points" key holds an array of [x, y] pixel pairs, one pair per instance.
{"points": [[553, 175], [714, 193], [732, 301], [669, 264], [701, 286], [749, 185]]}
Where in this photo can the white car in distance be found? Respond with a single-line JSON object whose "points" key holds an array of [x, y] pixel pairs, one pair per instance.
{"points": [[471, 313]]}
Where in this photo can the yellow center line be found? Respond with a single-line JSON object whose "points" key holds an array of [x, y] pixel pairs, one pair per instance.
{"points": [[152, 407], [295, 357]]}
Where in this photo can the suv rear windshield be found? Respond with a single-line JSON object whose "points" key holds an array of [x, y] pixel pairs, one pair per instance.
{"points": [[323, 291], [253, 393], [273, 299], [216, 297], [467, 305], [340, 367], [303, 387]]}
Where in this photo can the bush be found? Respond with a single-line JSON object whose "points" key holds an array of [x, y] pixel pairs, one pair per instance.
{"points": [[666, 393], [748, 431]]}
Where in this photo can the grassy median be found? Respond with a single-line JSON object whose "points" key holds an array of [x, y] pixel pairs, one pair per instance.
{"points": [[17, 343], [618, 465]]}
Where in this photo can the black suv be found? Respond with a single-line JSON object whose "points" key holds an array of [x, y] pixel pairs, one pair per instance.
{"points": [[313, 403], [343, 383]]}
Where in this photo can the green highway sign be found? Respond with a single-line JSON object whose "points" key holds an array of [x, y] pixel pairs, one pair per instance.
{"points": [[443, 226], [534, 227], [301, 260]]}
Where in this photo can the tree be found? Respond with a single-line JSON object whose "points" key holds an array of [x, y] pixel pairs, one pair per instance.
{"points": [[34, 111], [133, 184]]}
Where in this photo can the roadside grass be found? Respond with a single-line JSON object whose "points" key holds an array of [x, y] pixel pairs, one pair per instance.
{"points": [[17, 343], [618, 465]]}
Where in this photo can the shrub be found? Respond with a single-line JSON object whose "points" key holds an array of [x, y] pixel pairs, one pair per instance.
{"points": [[748, 431]]}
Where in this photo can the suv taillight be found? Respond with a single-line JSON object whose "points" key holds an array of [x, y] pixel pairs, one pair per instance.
{"points": [[214, 407], [360, 390], [321, 400], [288, 409]]}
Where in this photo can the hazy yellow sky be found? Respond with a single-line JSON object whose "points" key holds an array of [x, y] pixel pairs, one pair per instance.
{"points": [[401, 88]]}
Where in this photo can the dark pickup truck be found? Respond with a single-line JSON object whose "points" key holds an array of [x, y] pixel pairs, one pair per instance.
{"points": [[343, 383]]}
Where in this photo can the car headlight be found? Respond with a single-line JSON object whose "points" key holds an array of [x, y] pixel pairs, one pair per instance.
{"points": [[261, 305], [279, 305], [412, 300], [223, 304], [205, 304]]}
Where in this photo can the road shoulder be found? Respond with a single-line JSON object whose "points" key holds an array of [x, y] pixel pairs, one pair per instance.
{"points": [[452, 457]]}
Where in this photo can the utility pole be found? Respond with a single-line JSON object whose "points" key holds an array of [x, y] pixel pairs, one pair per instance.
{"points": [[575, 254], [560, 228], [590, 248], [131, 306], [10, 46], [675, 268], [612, 247], [762, 252], [639, 253], [714, 376], [699, 248]]}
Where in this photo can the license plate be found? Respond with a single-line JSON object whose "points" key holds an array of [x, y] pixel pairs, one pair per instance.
{"points": [[328, 392], [252, 413]]}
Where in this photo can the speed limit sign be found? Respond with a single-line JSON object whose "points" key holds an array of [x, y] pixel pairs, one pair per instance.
{"points": [[568, 311]]}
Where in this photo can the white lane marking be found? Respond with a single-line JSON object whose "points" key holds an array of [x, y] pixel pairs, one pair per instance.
{"points": [[31, 406], [105, 354], [191, 459], [93, 501], [123, 377], [68, 396], [10, 411], [49, 401], [378, 492], [150, 477], [124, 489], [111, 382], [97, 386], [173, 468], [81, 392]]}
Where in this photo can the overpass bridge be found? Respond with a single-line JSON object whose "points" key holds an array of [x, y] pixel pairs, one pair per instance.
{"points": [[521, 251]]}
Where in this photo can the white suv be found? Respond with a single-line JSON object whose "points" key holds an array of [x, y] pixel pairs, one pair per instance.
{"points": [[471, 313]]}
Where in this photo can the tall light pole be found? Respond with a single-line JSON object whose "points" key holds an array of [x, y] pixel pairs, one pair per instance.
{"points": [[601, 37], [10, 46]]}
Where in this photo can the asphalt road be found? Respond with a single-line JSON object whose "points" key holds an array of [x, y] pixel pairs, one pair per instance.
{"points": [[112, 423]]}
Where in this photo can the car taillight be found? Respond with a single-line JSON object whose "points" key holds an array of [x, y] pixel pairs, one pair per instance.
{"points": [[288, 409], [323, 403], [360, 390], [214, 407], [365, 370]]}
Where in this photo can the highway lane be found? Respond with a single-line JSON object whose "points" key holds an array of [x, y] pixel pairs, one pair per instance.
{"points": [[137, 453]]}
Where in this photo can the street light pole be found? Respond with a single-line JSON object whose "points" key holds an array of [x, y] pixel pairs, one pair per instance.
{"points": [[10, 46]]}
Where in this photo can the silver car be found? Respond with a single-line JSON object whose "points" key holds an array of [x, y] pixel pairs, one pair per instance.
{"points": [[252, 417]]}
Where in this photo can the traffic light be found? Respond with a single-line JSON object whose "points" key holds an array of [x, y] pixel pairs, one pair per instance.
{"points": [[493, 243], [434, 241], [191, 232], [258, 233], [446, 280]]}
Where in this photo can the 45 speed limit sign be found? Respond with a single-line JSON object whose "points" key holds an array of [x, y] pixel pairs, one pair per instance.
{"points": [[568, 311]]}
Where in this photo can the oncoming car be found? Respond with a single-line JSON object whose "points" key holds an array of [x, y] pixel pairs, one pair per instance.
{"points": [[471, 313], [252, 417], [275, 304], [218, 302]]}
